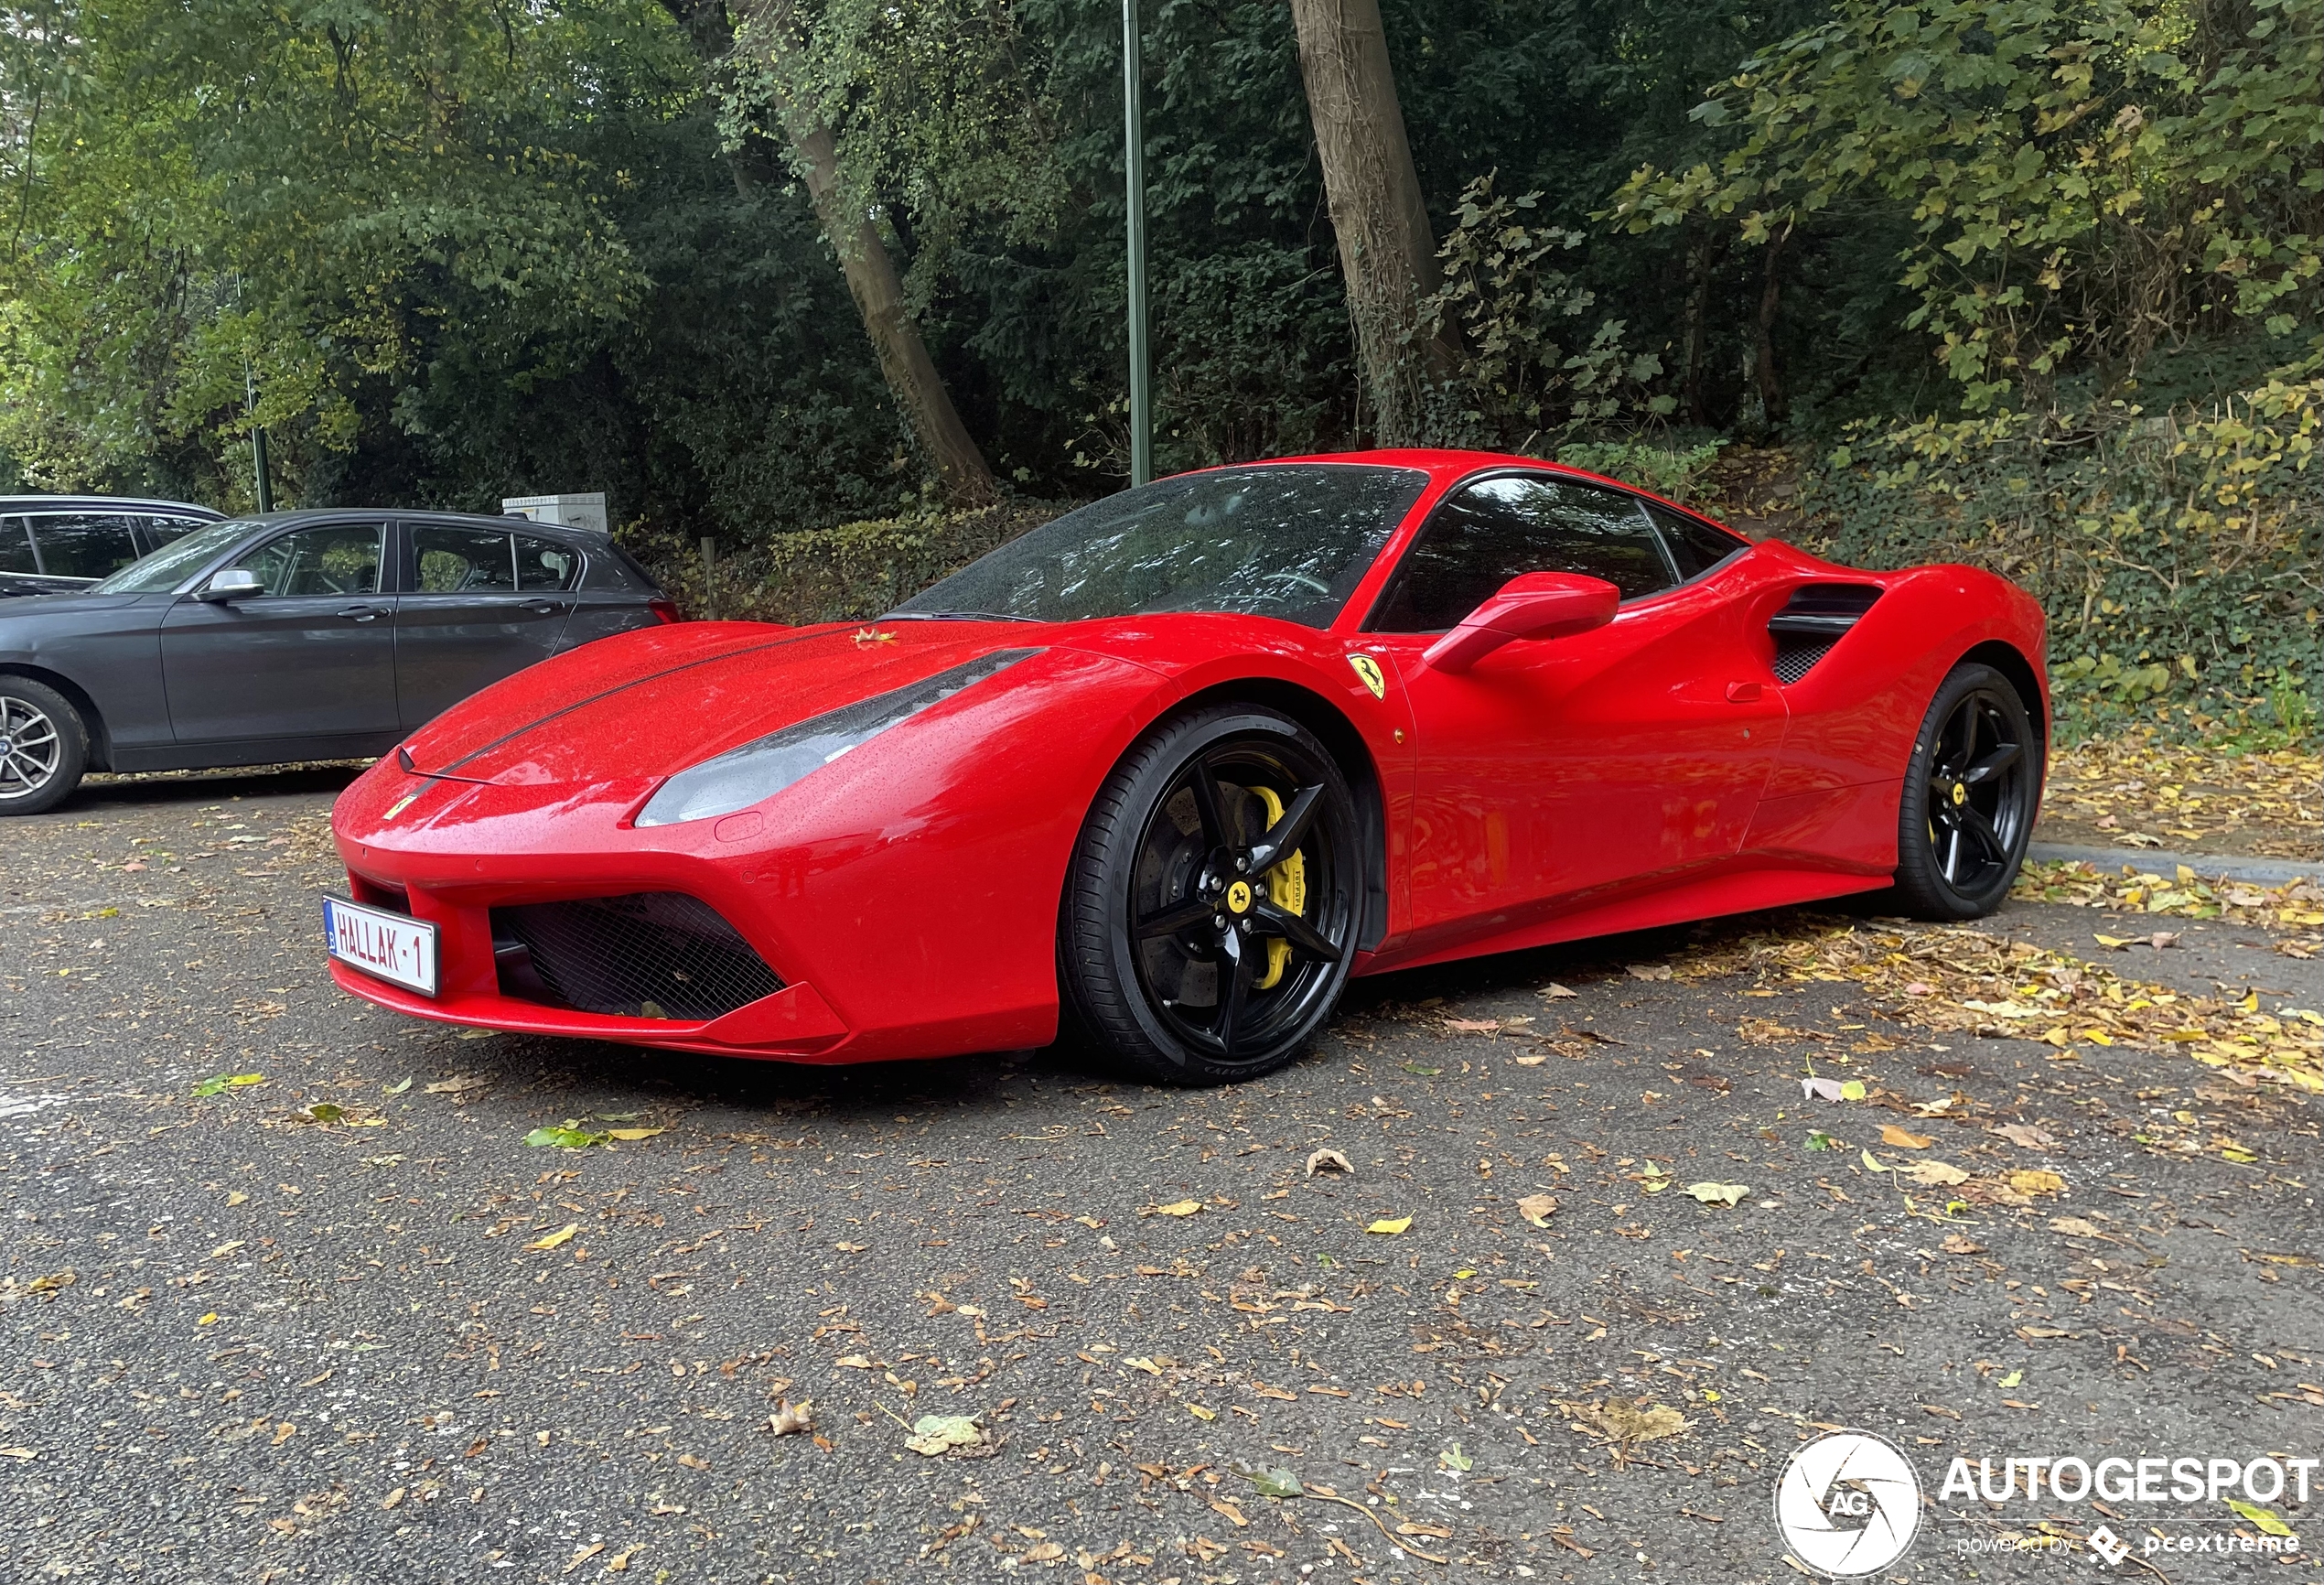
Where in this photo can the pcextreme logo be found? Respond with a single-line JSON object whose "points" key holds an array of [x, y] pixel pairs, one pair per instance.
{"points": [[1847, 1504]]}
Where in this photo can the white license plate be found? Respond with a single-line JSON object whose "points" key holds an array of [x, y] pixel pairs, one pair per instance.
{"points": [[391, 946]]}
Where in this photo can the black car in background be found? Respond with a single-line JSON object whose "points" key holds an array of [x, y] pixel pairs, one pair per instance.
{"points": [[61, 543], [298, 635]]}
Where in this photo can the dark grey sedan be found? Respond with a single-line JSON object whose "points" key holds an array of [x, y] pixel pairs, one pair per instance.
{"points": [[299, 635]]}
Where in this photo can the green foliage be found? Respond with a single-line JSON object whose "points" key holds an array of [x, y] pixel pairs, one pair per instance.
{"points": [[849, 573], [1680, 474], [2178, 555], [2084, 177], [1528, 362]]}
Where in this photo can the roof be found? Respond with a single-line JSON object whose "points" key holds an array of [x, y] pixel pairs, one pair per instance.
{"points": [[504, 522], [98, 502]]}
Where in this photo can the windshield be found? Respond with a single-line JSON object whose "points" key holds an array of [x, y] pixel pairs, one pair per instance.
{"points": [[1288, 541], [175, 562]]}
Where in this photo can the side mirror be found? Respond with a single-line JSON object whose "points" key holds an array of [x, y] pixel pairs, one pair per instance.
{"points": [[231, 583], [1535, 605]]}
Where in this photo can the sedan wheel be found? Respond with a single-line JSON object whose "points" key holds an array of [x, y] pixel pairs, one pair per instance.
{"points": [[1212, 917], [1969, 798], [43, 747]]}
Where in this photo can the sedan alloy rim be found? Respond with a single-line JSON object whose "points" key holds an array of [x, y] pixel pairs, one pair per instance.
{"points": [[30, 749], [1976, 794], [1237, 916]]}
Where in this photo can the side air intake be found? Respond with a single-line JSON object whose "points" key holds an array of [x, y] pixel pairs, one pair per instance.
{"points": [[1816, 618]]}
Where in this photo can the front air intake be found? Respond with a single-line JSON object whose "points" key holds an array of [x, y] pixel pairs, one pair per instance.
{"points": [[1817, 616], [649, 954]]}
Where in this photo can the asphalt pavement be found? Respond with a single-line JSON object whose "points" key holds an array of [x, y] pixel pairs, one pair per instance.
{"points": [[340, 1322]]}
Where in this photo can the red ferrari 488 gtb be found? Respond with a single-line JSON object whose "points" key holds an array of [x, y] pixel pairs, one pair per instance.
{"points": [[1170, 769]]}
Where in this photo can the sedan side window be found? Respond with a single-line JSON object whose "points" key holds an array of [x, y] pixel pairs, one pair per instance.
{"points": [[464, 560], [83, 543], [338, 558], [1499, 528], [15, 547], [543, 564]]}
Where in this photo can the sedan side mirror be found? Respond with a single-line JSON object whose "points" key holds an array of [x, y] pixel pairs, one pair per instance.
{"points": [[233, 583], [1535, 605]]}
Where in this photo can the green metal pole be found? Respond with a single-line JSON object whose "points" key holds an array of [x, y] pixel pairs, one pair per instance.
{"points": [[1134, 171], [261, 472]]}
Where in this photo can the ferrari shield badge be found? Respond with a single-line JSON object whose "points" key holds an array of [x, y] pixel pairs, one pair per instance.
{"points": [[1366, 670]]}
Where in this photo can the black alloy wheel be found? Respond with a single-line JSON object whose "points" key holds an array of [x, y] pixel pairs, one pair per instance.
{"points": [[1213, 907], [1969, 797]]}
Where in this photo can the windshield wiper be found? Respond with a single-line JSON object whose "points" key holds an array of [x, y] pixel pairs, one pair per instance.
{"points": [[956, 617]]}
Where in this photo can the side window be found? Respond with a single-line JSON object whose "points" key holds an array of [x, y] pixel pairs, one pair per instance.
{"points": [[338, 558], [464, 560], [83, 543], [1698, 546], [546, 564], [1498, 528], [16, 546], [161, 531]]}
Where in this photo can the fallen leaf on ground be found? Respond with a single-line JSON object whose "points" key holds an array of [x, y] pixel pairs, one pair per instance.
{"points": [[1820, 1089], [398, 1087], [1177, 1208], [458, 1085], [2074, 1227], [2033, 1180], [1556, 992], [1327, 1156], [1537, 1208], [1873, 1163], [1936, 1175], [561, 1235], [1273, 1482], [1718, 1193], [2026, 1135], [2264, 1518], [633, 1134], [934, 1434], [224, 1082], [789, 1420], [1389, 1224], [1904, 1138], [565, 1138]]}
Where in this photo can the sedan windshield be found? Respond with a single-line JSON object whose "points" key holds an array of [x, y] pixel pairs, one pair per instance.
{"points": [[1288, 541], [175, 562]]}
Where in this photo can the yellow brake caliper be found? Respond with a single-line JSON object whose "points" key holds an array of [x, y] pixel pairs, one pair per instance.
{"points": [[1286, 889]]}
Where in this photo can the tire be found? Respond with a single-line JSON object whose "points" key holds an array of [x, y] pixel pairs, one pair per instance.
{"points": [[1177, 964], [1969, 798], [43, 746]]}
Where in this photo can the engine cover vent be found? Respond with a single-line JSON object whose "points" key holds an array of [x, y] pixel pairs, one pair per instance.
{"points": [[1817, 616]]}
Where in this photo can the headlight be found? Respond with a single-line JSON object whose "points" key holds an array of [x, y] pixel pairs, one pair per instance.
{"points": [[764, 767]]}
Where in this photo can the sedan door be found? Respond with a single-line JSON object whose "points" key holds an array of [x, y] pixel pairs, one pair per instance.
{"points": [[481, 604], [311, 656], [1561, 772]]}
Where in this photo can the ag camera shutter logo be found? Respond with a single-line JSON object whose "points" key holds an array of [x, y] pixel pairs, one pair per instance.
{"points": [[1847, 1504]]}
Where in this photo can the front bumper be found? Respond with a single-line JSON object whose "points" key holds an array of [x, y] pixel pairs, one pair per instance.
{"points": [[881, 938]]}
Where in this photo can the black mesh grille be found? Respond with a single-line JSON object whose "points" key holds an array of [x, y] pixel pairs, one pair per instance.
{"points": [[655, 954], [1793, 659]]}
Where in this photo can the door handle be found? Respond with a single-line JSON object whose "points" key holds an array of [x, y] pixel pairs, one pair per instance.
{"points": [[1742, 693], [361, 613], [542, 608]]}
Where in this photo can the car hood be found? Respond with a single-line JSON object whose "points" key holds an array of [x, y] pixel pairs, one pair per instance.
{"points": [[652, 702]]}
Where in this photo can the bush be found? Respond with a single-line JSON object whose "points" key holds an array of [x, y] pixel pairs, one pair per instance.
{"points": [[2178, 554], [850, 573]]}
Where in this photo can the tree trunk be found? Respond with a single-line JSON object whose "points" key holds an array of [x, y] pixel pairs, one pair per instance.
{"points": [[871, 275], [1387, 250], [1694, 401], [1770, 294]]}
